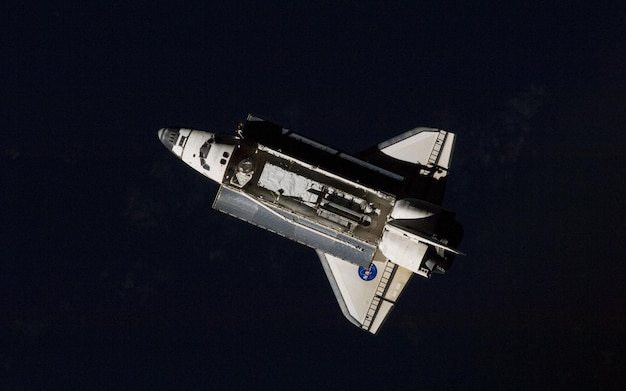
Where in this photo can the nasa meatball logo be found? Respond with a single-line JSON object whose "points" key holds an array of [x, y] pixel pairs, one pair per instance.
{"points": [[367, 274]]}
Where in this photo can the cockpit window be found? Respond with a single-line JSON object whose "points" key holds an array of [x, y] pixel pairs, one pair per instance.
{"points": [[204, 152]]}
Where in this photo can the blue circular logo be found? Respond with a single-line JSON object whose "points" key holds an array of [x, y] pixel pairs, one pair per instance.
{"points": [[367, 274]]}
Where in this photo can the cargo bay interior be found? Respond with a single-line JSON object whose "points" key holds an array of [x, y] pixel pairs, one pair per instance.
{"points": [[308, 191]]}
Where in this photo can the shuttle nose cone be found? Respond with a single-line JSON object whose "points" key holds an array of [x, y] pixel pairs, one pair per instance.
{"points": [[168, 137]]}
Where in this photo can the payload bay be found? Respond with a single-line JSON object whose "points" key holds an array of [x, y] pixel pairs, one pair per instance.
{"points": [[303, 202]]}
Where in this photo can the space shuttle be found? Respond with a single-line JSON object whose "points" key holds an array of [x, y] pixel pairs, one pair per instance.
{"points": [[374, 218]]}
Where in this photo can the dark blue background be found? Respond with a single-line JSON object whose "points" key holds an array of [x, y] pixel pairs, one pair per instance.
{"points": [[117, 274]]}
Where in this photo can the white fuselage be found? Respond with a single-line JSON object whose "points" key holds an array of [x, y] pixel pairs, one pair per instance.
{"points": [[205, 152]]}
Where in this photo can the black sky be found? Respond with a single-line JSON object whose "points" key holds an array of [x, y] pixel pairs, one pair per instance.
{"points": [[117, 273]]}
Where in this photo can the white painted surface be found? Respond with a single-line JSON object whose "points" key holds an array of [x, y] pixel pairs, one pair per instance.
{"points": [[215, 162], [357, 293], [402, 249]]}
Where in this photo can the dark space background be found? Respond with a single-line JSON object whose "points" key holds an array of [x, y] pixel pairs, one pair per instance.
{"points": [[117, 274]]}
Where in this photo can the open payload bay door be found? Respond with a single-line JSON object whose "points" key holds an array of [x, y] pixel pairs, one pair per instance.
{"points": [[366, 296]]}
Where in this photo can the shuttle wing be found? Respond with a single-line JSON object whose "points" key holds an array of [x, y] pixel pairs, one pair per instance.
{"points": [[423, 146], [422, 156], [366, 296]]}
